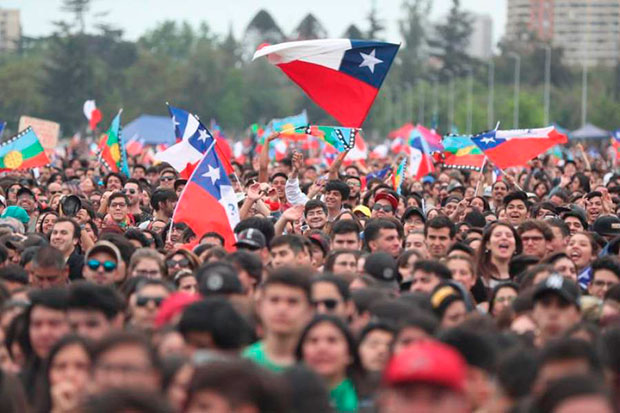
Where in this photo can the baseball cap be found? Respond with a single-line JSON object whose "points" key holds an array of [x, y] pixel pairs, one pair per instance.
{"points": [[104, 246], [413, 211], [220, 280], [321, 240], [559, 285], [389, 197], [24, 190], [363, 209], [251, 238], [429, 362], [382, 267], [607, 225]]}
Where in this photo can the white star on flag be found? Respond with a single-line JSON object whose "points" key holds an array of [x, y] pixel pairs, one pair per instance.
{"points": [[174, 121], [486, 141], [203, 135], [213, 174], [370, 60]]}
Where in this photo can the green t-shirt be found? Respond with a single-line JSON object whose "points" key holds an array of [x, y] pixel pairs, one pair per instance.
{"points": [[256, 353], [344, 397]]}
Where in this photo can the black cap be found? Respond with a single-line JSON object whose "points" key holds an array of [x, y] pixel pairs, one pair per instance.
{"points": [[607, 225], [413, 211], [220, 280], [24, 190], [251, 238], [382, 267], [559, 285]]}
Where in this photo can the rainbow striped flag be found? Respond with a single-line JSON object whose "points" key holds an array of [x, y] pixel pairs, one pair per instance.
{"points": [[399, 175], [22, 151]]}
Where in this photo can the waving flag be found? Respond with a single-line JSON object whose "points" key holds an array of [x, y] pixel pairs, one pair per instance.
{"points": [[208, 201], [420, 158], [110, 151], [92, 113], [461, 153], [508, 148], [340, 75], [193, 140], [343, 139], [402, 132], [432, 138], [23, 151], [398, 175]]}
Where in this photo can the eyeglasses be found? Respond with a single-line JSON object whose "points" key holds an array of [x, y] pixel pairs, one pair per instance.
{"points": [[118, 205], [142, 300], [166, 178], [384, 208], [329, 303], [108, 266], [183, 262]]}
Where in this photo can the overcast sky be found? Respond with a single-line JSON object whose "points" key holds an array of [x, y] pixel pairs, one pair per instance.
{"points": [[137, 16]]}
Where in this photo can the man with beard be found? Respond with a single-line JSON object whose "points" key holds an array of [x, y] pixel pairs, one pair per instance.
{"points": [[163, 202], [355, 188]]}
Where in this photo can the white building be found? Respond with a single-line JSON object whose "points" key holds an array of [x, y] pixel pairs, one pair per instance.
{"points": [[481, 40], [10, 29]]}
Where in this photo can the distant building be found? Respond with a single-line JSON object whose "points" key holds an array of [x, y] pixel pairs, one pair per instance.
{"points": [[481, 39], [10, 30], [587, 30]]}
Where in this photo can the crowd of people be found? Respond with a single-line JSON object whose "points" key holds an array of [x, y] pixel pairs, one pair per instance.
{"points": [[454, 293]]}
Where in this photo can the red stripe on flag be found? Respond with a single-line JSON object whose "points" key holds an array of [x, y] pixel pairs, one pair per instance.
{"points": [[342, 96]]}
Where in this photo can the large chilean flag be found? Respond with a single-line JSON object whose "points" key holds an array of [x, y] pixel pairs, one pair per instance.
{"points": [[508, 148], [208, 201], [342, 76]]}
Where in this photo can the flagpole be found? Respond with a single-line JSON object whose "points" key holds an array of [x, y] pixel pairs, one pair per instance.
{"points": [[482, 176]]}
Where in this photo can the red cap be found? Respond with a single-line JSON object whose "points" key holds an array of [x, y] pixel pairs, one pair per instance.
{"points": [[390, 198], [173, 305], [429, 362]]}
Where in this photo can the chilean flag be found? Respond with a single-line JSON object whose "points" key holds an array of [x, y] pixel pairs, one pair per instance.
{"points": [[342, 76], [92, 113], [420, 158], [208, 201], [193, 140], [508, 148]]}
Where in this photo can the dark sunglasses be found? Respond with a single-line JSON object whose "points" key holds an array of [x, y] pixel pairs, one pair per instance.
{"points": [[329, 303], [183, 262], [384, 208], [129, 191], [142, 301], [167, 178], [108, 266]]}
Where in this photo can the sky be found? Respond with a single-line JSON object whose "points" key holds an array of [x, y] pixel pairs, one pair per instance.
{"points": [[137, 16]]}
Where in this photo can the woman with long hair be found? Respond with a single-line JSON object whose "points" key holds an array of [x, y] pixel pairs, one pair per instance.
{"points": [[327, 347], [500, 242], [65, 375]]}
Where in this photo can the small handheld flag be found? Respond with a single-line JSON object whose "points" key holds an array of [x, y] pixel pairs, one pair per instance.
{"points": [[343, 139], [110, 151], [461, 153], [342, 76], [398, 175], [92, 113]]}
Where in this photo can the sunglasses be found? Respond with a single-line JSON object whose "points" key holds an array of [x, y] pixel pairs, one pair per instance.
{"points": [[167, 178], [130, 191], [108, 266], [183, 262], [384, 208], [329, 303], [142, 301]]}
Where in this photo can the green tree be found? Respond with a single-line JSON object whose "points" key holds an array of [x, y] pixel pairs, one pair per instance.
{"points": [[412, 30], [375, 25], [353, 32], [309, 28], [451, 42], [79, 8]]}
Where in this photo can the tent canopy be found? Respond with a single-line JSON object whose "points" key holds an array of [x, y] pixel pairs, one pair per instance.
{"points": [[153, 130], [589, 131]]}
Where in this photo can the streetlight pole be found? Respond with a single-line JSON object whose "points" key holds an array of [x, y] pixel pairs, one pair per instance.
{"points": [[450, 102], [517, 87], [491, 98], [547, 82], [435, 119], [584, 93], [470, 100], [421, 102]]}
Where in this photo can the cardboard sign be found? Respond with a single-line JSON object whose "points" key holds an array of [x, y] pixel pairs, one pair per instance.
{"points": [[46, 130]]}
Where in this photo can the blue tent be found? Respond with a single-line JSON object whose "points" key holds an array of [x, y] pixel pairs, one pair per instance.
{"points": [[152, 130]]}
